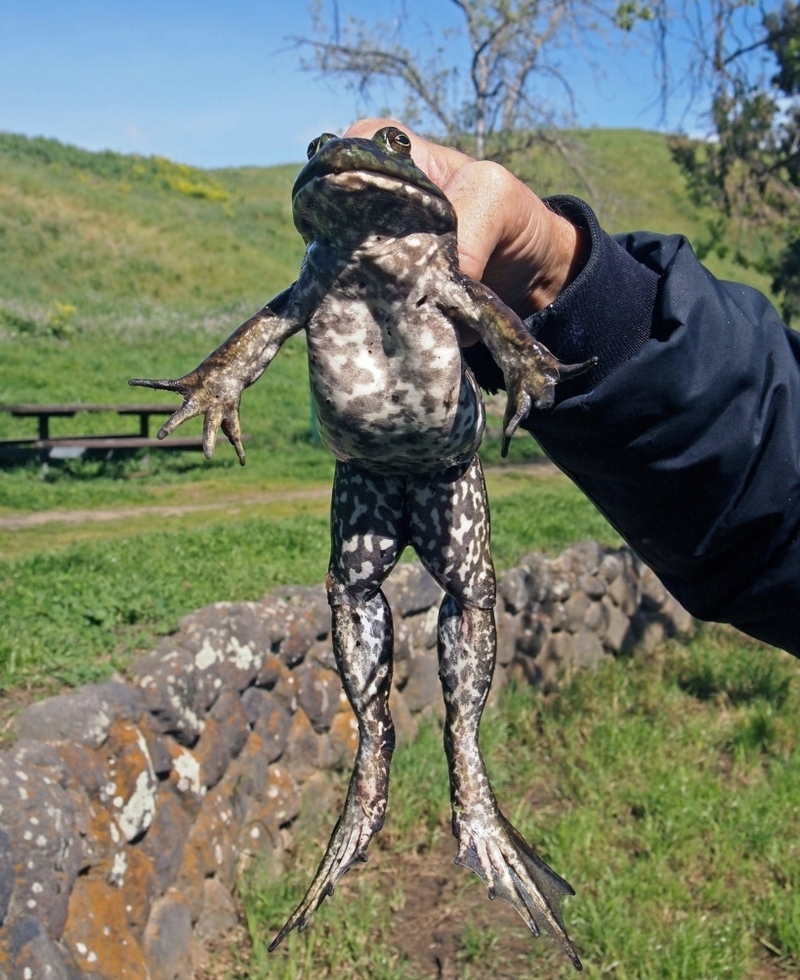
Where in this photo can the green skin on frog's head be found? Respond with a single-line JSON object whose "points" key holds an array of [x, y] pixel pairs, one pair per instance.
{"points": [[355, 189]]}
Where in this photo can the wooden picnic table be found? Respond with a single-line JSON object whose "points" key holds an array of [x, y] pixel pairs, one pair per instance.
{"points": [[71, 446], [45, 412]]}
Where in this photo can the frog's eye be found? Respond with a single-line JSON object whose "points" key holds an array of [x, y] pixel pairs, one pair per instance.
{"points": [[319, 142], [398, 141], [393, 140]]}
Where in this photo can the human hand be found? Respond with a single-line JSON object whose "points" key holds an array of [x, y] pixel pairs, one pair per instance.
{"points": [[507, 238]]}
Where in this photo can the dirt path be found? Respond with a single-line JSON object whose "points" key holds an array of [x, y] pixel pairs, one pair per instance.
{"points": [[17, 522]]}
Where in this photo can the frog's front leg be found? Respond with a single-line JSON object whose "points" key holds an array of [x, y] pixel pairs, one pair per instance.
{"points": [[368, 534], [214, 389], [530, 371], [449, 522]]}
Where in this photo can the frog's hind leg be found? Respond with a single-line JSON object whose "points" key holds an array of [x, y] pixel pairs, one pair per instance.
{"points": [[449, 523], [368, 534]]}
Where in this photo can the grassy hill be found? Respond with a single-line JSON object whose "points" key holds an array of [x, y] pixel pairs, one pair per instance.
{"points": [[632, 182], [111, 240], [123, 236]]}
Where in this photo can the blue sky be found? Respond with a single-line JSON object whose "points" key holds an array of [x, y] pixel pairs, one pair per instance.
{"points": [[218, 84]]}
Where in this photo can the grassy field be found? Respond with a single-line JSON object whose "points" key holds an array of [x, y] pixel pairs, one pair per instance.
{"points": [[665, 790], [76, 611]]}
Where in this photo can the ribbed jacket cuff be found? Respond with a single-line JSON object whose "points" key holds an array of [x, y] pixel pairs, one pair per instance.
{"points": [[606, 312]]}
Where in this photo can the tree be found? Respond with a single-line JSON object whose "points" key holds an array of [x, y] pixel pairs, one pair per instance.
{"points": [[750, 171], [489, 99]]}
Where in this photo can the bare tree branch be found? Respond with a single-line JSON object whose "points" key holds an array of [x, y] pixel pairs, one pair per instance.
{"points": [[493, 95]]}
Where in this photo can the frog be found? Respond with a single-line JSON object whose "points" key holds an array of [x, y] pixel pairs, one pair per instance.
{"points": [[383, 302]]}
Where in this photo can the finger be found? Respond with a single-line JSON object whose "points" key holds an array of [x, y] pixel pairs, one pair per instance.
{"points": [[233, 430], [162, 385], [210, 426], [186, 411], [481, 193]]}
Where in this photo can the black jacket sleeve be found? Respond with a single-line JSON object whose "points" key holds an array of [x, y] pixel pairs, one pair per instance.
{"points": [[687, 434]]}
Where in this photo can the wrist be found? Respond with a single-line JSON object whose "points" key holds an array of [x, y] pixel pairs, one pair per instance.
{"points": [[564, 249], [605, 312]]}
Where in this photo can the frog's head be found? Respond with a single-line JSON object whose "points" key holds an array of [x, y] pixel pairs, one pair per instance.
{"points": [[354, 188]]}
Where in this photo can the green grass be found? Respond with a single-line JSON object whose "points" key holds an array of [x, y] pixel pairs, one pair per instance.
{"points": [[71, 614], [680, 839], [123, 238], [76, 614], [543, 515]]}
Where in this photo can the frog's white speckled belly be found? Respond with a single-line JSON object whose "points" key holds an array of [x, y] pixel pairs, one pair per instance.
{"points": [[390, 387]]}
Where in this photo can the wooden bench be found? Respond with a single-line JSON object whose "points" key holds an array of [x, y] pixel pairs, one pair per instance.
{"points": [[48, 446]]}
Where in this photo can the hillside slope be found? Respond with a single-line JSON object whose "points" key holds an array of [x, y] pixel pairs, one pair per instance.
{"points": [[632, 182], [105, 232], [102, 237]]}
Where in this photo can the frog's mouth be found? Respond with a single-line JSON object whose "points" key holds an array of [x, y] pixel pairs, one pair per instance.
{"points": [[364, 182], [361, 156]]}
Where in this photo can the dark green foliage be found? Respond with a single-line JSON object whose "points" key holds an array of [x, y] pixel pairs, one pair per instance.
{"points": [[786, 280], [750, 174], [783, 40]]}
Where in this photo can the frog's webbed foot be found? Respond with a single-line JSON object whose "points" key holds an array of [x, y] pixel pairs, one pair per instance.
{"points": [[530, 371], [348, 844], [491, 847], [487, 843], [215, 397], [531, 383], [214, 389]]}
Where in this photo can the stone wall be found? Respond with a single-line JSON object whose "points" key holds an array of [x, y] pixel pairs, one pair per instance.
{"points": [[127, 809]]}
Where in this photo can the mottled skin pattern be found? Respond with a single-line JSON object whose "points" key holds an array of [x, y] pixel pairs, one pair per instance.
{"points": [[381, 296]]}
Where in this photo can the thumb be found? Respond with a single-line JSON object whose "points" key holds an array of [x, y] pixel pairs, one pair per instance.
{"points": [[478, 194]]}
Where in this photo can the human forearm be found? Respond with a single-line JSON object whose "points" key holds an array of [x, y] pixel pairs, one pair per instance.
{"points": [[689, 445]]}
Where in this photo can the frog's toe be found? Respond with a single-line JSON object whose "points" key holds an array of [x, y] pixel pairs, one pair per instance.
{"points": [[512, 870], [348, 844], [573, 370]]}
